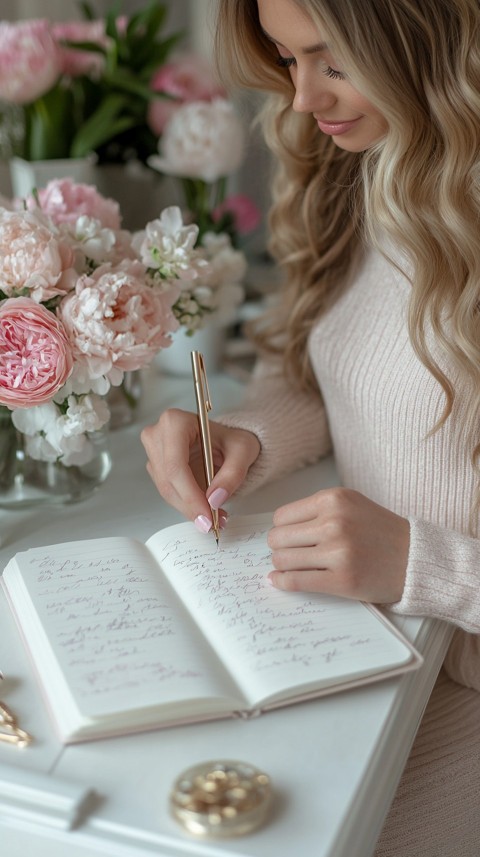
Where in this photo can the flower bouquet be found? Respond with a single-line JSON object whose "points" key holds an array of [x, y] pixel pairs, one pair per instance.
{"points": [[82, 302], [74, 88]]}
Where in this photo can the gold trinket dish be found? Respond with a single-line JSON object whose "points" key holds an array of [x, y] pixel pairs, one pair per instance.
{"points": [[221, 798]]}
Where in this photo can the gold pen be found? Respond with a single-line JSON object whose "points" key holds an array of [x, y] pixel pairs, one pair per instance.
{"points": [[204, 404]]}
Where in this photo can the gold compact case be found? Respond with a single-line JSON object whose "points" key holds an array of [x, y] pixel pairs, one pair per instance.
{"points": [[220, 799]]}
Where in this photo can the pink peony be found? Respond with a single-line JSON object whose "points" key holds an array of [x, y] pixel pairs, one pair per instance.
{"points": [[29, 61], [115, 322], [246, 216], [34, 259], [64, 201], [189, 78], [35, 355]]}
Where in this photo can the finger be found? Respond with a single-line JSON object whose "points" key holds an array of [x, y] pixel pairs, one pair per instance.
{"points": [[323, 581], [237, 450], [327, 502], [176, 467], [300, 510], [290, 559], [295, 535]]}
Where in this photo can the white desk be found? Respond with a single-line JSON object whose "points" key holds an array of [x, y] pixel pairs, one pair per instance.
{"points": [[334, 762]]}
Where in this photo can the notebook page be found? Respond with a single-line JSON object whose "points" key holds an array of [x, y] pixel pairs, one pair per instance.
{"points": [[116, 627], [270, 640]]}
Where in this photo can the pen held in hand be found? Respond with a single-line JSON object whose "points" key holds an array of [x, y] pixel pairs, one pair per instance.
{"points": [[204, 405]]}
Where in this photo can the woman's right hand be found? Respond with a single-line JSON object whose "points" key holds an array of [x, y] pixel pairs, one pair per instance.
{"points": [[175, 463]]}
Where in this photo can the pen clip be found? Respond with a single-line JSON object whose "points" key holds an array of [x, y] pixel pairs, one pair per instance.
{"points": [[200, 376]]}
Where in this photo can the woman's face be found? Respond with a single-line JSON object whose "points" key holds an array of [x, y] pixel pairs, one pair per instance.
{"points": [[321, 87]]}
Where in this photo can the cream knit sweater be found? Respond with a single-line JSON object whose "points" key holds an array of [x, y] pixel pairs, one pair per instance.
{"points": [[379, 403]]}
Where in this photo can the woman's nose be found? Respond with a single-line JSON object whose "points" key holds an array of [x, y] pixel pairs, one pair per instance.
{"points": [[312, 95]]}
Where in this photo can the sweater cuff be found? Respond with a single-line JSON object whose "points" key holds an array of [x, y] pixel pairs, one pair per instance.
{"points": [[443, 576]]}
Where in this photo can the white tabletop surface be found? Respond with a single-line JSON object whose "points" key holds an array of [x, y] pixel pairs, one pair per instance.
{"points": [[334, 762]]}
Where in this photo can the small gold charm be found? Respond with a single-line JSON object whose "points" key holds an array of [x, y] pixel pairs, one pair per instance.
{"points": [[10, 732]]}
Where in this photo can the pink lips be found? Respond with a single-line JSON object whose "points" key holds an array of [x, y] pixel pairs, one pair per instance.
{"points": [[335, 128]]}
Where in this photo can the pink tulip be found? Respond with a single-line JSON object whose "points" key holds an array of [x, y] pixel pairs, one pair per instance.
{"points": [[189, 78], [29, 61], [35, 356], [76, 62], [246, 216]]}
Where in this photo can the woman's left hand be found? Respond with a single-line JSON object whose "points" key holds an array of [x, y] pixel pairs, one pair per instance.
{"points": [[339, 542]]}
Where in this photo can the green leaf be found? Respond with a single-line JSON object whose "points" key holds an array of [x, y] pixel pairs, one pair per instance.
{"points": [[87, 11], [124, 80], [102, 125], [91, 47], [49, 125]]}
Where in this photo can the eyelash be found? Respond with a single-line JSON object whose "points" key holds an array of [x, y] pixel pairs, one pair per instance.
{"points": [[332, 73]]}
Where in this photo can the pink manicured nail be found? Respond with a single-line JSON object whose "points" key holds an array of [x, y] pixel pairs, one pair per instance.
{"points": [[203, 523], [217, 498]]}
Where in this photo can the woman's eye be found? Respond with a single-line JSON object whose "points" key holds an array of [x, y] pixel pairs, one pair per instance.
{"points": [[286, 62], [333, 74], [327, 70]]}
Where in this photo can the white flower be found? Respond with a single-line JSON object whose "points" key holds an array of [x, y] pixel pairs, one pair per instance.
{"points": [[166, 245], [81, 382], [35, 419], [203, 140], [86, 414], [204, 296], [38, 448], [90, 240], [227, 265], [229, 298], [54, 436]]}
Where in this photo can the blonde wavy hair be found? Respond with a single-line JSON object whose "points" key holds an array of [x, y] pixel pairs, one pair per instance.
{"points": [[418, 62]]}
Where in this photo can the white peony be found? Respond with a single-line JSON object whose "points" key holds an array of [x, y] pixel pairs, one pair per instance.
{"points": [[203, 140], [167, 246]]}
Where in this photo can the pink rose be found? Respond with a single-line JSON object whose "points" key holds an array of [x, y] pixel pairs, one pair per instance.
{"points": [[189, 78], [35, 356], [29, 61], [77, 62], [64, 201], [34, 258], [115, 322], [243, 210]]}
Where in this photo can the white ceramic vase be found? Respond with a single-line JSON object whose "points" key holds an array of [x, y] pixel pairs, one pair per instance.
{"points": [[25, 176], [209, 340]]}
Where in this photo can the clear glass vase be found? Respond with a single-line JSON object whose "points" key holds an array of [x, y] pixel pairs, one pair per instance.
{"points": [[123, 401], [26, 482]]}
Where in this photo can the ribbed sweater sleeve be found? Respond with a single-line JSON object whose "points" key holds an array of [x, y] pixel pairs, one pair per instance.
{"points": [[291, 425], [442, 576]]}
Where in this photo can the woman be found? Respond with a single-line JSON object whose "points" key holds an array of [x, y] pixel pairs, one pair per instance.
{"points": [[374, 348]]}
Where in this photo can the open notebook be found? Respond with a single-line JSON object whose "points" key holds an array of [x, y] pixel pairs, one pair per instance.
{"points": [[125, 636]]}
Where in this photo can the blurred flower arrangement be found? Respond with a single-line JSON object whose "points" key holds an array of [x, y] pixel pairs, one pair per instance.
{"points": [[82, 302], [202, 143], [70, 89]]}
